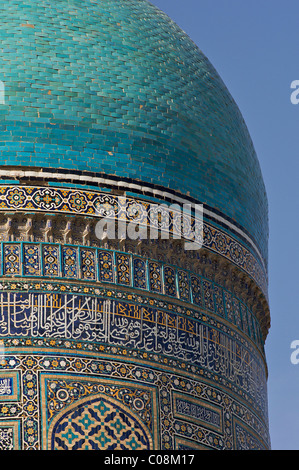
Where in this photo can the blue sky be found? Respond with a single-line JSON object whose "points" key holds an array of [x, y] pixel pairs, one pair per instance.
{"points": [[254, 45]]}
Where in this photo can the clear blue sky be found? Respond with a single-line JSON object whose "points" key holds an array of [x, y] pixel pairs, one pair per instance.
{"points": [[254, 45]]}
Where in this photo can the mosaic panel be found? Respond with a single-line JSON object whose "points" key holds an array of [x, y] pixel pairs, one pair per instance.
{"points": [[9, 386], [170, 281], [51, 260], [123, 269], [191, 409], [139, 273], [12, 259], [101, 412], [64, 392], [155, 277], [78, 202], [88, 264], [47, 198], [245, 439], [10, 435], [6, 438], [5, 387], [196, 290], [106, 266], [183, 285], [252, 328], [208, 295], [243, 311], [16, 197], [229, 306], [31, 260], [70, 262], [236, 309], [219, 302], [99, 425]]}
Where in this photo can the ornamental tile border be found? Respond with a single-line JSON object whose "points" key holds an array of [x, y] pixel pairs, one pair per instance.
{"points": [[71, 263], [86, 203]]}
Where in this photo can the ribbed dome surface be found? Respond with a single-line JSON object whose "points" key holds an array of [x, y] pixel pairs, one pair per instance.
{"points": [[116, 87]]}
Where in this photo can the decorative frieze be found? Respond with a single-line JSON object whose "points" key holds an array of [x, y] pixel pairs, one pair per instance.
{"points": [[92, 206], [78, 263]]}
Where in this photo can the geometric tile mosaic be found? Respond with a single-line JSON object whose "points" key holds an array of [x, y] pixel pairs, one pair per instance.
{"points": [[90, 427], [97, 421], [10, 437], [74, 404], [137, 402]]}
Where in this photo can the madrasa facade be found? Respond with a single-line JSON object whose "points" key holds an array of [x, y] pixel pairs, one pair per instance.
{"points": [[133, 232]]}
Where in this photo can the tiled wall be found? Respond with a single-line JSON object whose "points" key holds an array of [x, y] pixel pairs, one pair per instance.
{"points": [[70, 263], [169, 359]]}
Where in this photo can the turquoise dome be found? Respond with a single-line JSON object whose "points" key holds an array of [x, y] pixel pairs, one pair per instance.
{"points": [[116, 87]]}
